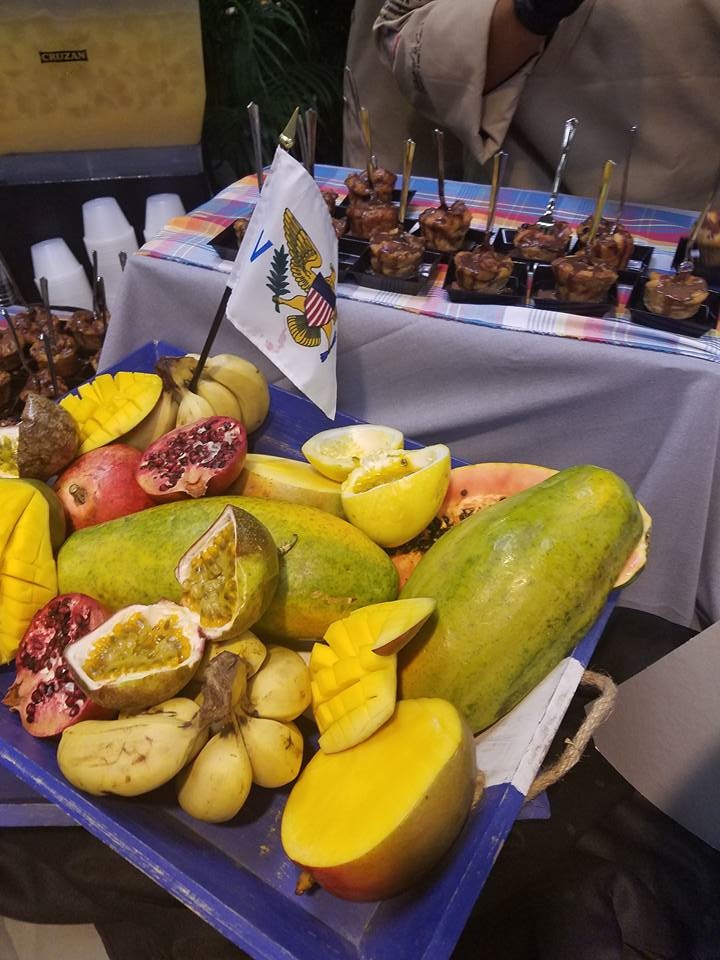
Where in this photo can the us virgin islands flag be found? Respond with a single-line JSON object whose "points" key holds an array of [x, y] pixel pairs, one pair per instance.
{"points": [[283, 281]]}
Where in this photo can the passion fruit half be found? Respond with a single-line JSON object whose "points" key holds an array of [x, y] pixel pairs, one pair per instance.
{"points": [[229, 575], [141, 656]]}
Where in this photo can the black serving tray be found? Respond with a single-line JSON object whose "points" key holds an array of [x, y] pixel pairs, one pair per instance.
{"points": [[638, 263], [704, 320], [365, 276], [350, 250], [711, 274], [510, 296], [544, 279]]}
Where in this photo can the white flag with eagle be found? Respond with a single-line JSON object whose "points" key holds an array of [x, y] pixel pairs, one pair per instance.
{"points": [[283, 281]]}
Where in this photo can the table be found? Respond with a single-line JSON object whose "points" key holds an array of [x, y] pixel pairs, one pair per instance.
{"points": [[490, 391]]}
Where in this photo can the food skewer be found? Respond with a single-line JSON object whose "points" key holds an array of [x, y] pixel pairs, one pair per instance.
{"points": [[367, 140], [311, 137], [626, 174], [354, 101], [102, 302], [607, 171], [440, 151], [687, 266], [408, 158], [302, 142], [48, 340], [498, 171], [254, 115], [547, 220], [94, 259]]}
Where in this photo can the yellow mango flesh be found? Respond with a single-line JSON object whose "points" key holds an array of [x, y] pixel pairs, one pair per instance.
{"points": [[369, 821], [109, 406], [28, 577]]}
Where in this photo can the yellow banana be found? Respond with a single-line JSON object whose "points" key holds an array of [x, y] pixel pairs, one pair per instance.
{"points": [[281, 689], [191, 408], [131, 755], [275, 750], [218, 782], [161, 420], [180, 369], [246, 382], [223, 401]]}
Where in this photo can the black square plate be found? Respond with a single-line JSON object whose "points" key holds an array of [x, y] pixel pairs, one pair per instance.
{"points": [[711, 274], [544, 280], [638, 263], [512, 294], [704, 320], [365, 276], [350, 249]]}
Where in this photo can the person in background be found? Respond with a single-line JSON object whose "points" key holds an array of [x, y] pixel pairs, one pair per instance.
{"points": [[509, 73]]}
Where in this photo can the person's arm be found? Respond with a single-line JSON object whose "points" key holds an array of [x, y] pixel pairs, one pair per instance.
{"points": [[510, 45]]}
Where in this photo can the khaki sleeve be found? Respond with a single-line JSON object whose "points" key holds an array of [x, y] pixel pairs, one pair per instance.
{"points": [[437, 52]]}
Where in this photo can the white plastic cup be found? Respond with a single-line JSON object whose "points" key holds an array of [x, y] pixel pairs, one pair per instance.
{"points": [[104, 220], [66, 279], [159, 208], [108, 233]]}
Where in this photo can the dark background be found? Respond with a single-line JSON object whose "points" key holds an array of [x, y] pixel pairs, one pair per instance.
{"points": [[279, 54]]}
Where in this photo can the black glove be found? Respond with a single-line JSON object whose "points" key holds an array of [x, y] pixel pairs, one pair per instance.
{"points": [[543, 16]]}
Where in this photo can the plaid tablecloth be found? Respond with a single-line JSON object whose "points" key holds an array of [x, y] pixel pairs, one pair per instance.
{"points": [[186, 240]]}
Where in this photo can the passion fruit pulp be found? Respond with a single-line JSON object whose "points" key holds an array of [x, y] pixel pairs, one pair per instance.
{"points": [[228, 577]]}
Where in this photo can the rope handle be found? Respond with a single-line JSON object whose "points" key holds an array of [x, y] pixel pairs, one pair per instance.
{"points": [[599, 711]]}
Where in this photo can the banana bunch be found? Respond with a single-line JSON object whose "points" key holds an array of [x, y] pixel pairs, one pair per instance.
{"points": [[133, 754], [259, 743], [229, 386]]}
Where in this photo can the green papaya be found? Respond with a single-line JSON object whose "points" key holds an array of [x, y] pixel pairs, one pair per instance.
{"points": [[516, 585], [328, 569]]}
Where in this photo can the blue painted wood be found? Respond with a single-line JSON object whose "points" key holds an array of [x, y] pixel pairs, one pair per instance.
{"points": [[236, 875]]}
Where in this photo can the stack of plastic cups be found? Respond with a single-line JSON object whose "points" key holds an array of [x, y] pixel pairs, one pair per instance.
{"points": [[108, 233], [67, 282], [159, 208]]}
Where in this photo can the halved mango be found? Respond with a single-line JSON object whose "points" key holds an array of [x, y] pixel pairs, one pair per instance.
{"points": [[363, 830]]}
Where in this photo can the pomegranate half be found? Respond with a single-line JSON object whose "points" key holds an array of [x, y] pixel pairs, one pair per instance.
{"points": [[44, 693], [201, 457]]}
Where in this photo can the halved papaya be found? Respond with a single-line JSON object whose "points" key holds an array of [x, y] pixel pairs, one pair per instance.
{"points": [[472, 487]]}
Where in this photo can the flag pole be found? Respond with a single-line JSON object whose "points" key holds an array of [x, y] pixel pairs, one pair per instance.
{"points": [[286, 140]]}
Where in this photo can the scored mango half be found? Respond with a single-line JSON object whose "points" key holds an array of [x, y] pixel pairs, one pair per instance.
{"points": [[28, 577], [110, 405], [353, 673]]}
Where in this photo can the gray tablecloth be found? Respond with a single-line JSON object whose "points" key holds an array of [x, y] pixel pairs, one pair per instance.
{"points": [[495, 394]]}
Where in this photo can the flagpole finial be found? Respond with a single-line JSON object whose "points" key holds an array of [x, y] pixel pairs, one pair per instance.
{"points": [[287, 137]]}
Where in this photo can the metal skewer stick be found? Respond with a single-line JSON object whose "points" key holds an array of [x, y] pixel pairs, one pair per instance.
{"points": [[687, 265], [48, 340], [440, 151], [354, 101], [311, 135], [607, 171], [547, 220], [95, 309], [626, 174], [51, 363], [302, 141], [408, 157], [367, 140], [254, 116], [18, 345], [122, 257], [286, 139], [102, 302], [498, 171]]}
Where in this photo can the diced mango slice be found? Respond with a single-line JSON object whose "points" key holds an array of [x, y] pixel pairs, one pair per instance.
{"points": [[110, 405]]}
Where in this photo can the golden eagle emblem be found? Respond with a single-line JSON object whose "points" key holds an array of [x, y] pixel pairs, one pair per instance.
{"points": [[316, 311]]}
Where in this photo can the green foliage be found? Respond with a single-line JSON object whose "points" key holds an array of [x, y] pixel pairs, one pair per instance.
{"points": [[277, 278], [281, 54]]}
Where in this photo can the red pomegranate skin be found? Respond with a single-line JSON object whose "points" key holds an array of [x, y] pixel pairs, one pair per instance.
{"points": [[200, 458], [100, 485], [44, 693]]}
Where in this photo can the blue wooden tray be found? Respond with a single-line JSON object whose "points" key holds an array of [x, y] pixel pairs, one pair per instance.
{"points": [[236, 876]]}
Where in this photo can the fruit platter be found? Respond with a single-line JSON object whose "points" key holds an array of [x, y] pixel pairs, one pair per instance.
{"points": [[274, 686]]}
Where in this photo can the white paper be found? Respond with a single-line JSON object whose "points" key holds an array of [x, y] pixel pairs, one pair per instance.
{"points": [[664, 735]]}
